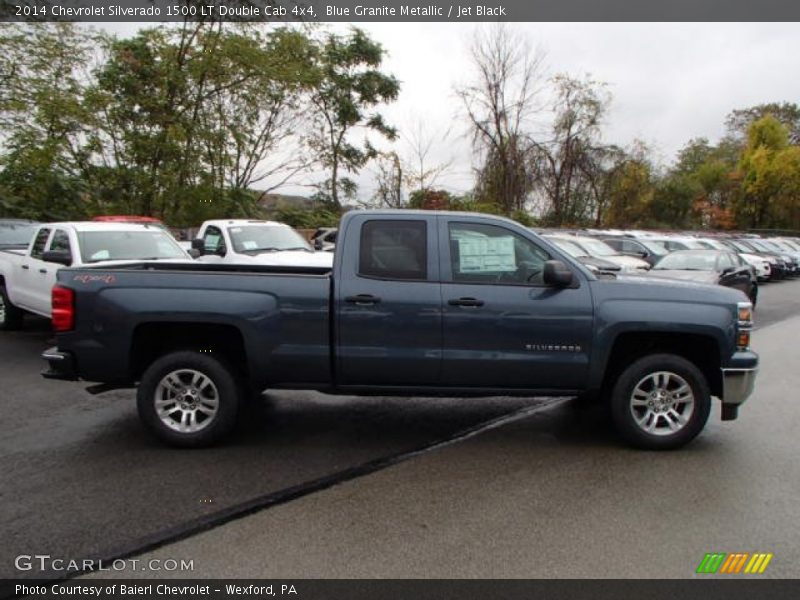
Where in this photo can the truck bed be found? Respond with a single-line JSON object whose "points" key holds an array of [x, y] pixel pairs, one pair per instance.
{"points": [[275, 318]]}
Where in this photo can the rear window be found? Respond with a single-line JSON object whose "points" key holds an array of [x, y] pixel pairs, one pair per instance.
{"points": [[393, 249]]}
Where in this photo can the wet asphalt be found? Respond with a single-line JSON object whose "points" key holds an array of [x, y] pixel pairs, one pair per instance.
{"points": [[81, 478]]}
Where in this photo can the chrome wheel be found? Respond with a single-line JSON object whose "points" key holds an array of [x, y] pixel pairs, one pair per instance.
{"points": [[186, 400], [662, 403]]}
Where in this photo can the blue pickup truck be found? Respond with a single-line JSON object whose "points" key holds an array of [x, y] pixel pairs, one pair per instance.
{"points": [[417, 303]]}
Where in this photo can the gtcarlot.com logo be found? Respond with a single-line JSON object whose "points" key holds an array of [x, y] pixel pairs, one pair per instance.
{"points": [[734, 563]]}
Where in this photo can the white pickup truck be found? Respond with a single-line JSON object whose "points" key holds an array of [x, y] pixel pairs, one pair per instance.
{"points": [[248, 241], [28, 275]]}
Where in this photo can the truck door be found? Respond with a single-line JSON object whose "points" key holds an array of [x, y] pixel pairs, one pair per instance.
{"points": [[388, 302], [29, 278], [45, 277], [502, 326]]}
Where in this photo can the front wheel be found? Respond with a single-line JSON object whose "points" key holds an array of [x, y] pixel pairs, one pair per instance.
{"points": [[10, 316], [188, 399], [660, 402]]}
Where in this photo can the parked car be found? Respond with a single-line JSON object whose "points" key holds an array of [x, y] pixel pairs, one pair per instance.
{"points": [[27, 275], [16, 233], [598, 249], [417, 303], [674, 243], [648, 250], [578, 253], [709, 266], [324, 239], [760, 264], [780, 269], [250, 241]]}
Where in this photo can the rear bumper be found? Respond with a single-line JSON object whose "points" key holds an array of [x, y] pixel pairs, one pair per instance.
{"points": [[61, 365]]}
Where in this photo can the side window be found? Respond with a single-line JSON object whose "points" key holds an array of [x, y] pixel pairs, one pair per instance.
{"points": [[39, 243], [493, 254], [394, 249], [725, 261], [60, 241], [213, 242], [631, 246]]}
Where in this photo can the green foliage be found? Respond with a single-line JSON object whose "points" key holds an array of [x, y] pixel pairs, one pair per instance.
{"points": [[307, 218], [347, 84], [180, 122]]}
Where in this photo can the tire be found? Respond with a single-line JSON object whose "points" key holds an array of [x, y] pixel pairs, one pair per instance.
{"points": [[10, 316], [649, 414], [189, 400]]}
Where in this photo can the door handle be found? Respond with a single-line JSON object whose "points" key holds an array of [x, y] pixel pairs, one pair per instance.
{"points": [[362, 299], [465, 302], [26, 267], [42, 270]]}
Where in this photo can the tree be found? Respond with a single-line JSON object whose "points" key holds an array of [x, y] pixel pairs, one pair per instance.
{"points": [[562, 163], [389, 179], [43, 115], [739, 121], [633, 192], [348, 83], [500, 103], [422, 171], [770, 170]]}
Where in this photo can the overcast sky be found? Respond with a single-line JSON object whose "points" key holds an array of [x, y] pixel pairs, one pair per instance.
{"points": [[670, 82]]}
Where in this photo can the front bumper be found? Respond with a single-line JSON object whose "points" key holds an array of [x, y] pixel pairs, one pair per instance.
{"points": [[61, 365], [737, 385]]}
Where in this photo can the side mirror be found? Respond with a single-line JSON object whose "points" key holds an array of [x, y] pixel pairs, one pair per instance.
{"points": [[199, 245], [195, 253], [61, 257], [318, 244], [556, 273]]}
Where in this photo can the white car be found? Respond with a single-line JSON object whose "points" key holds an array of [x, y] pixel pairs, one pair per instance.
{"points": [[247, 241], [598, 249], [27, 275]]}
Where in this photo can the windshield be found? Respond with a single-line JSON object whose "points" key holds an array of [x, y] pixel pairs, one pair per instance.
{"points": [[717, 245], [653, 246], [252, 239], [596, 248], [792, 245], [98, 246], [15, 234], [568, 247], [688, 261]]}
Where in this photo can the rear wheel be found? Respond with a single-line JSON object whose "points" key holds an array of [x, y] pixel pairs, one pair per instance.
{"points": [[660, 402], [10, 316], [189, 399]]}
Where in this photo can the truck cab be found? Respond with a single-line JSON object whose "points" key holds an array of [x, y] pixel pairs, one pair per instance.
{"points": [[27, 275], [252, 241]]}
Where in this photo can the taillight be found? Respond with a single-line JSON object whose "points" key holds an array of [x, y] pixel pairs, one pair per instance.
{"points": [[63, 308]]}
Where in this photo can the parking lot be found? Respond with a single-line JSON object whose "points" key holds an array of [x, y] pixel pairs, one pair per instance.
{"points": [[543, 493]]}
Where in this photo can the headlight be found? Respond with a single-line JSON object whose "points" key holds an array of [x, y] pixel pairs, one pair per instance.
{"points": [[744, 325]]}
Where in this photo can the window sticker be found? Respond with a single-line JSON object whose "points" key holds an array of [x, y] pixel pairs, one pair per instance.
{"points": [[249, 245], [235, 230], [478, 255], [101, 255]]}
